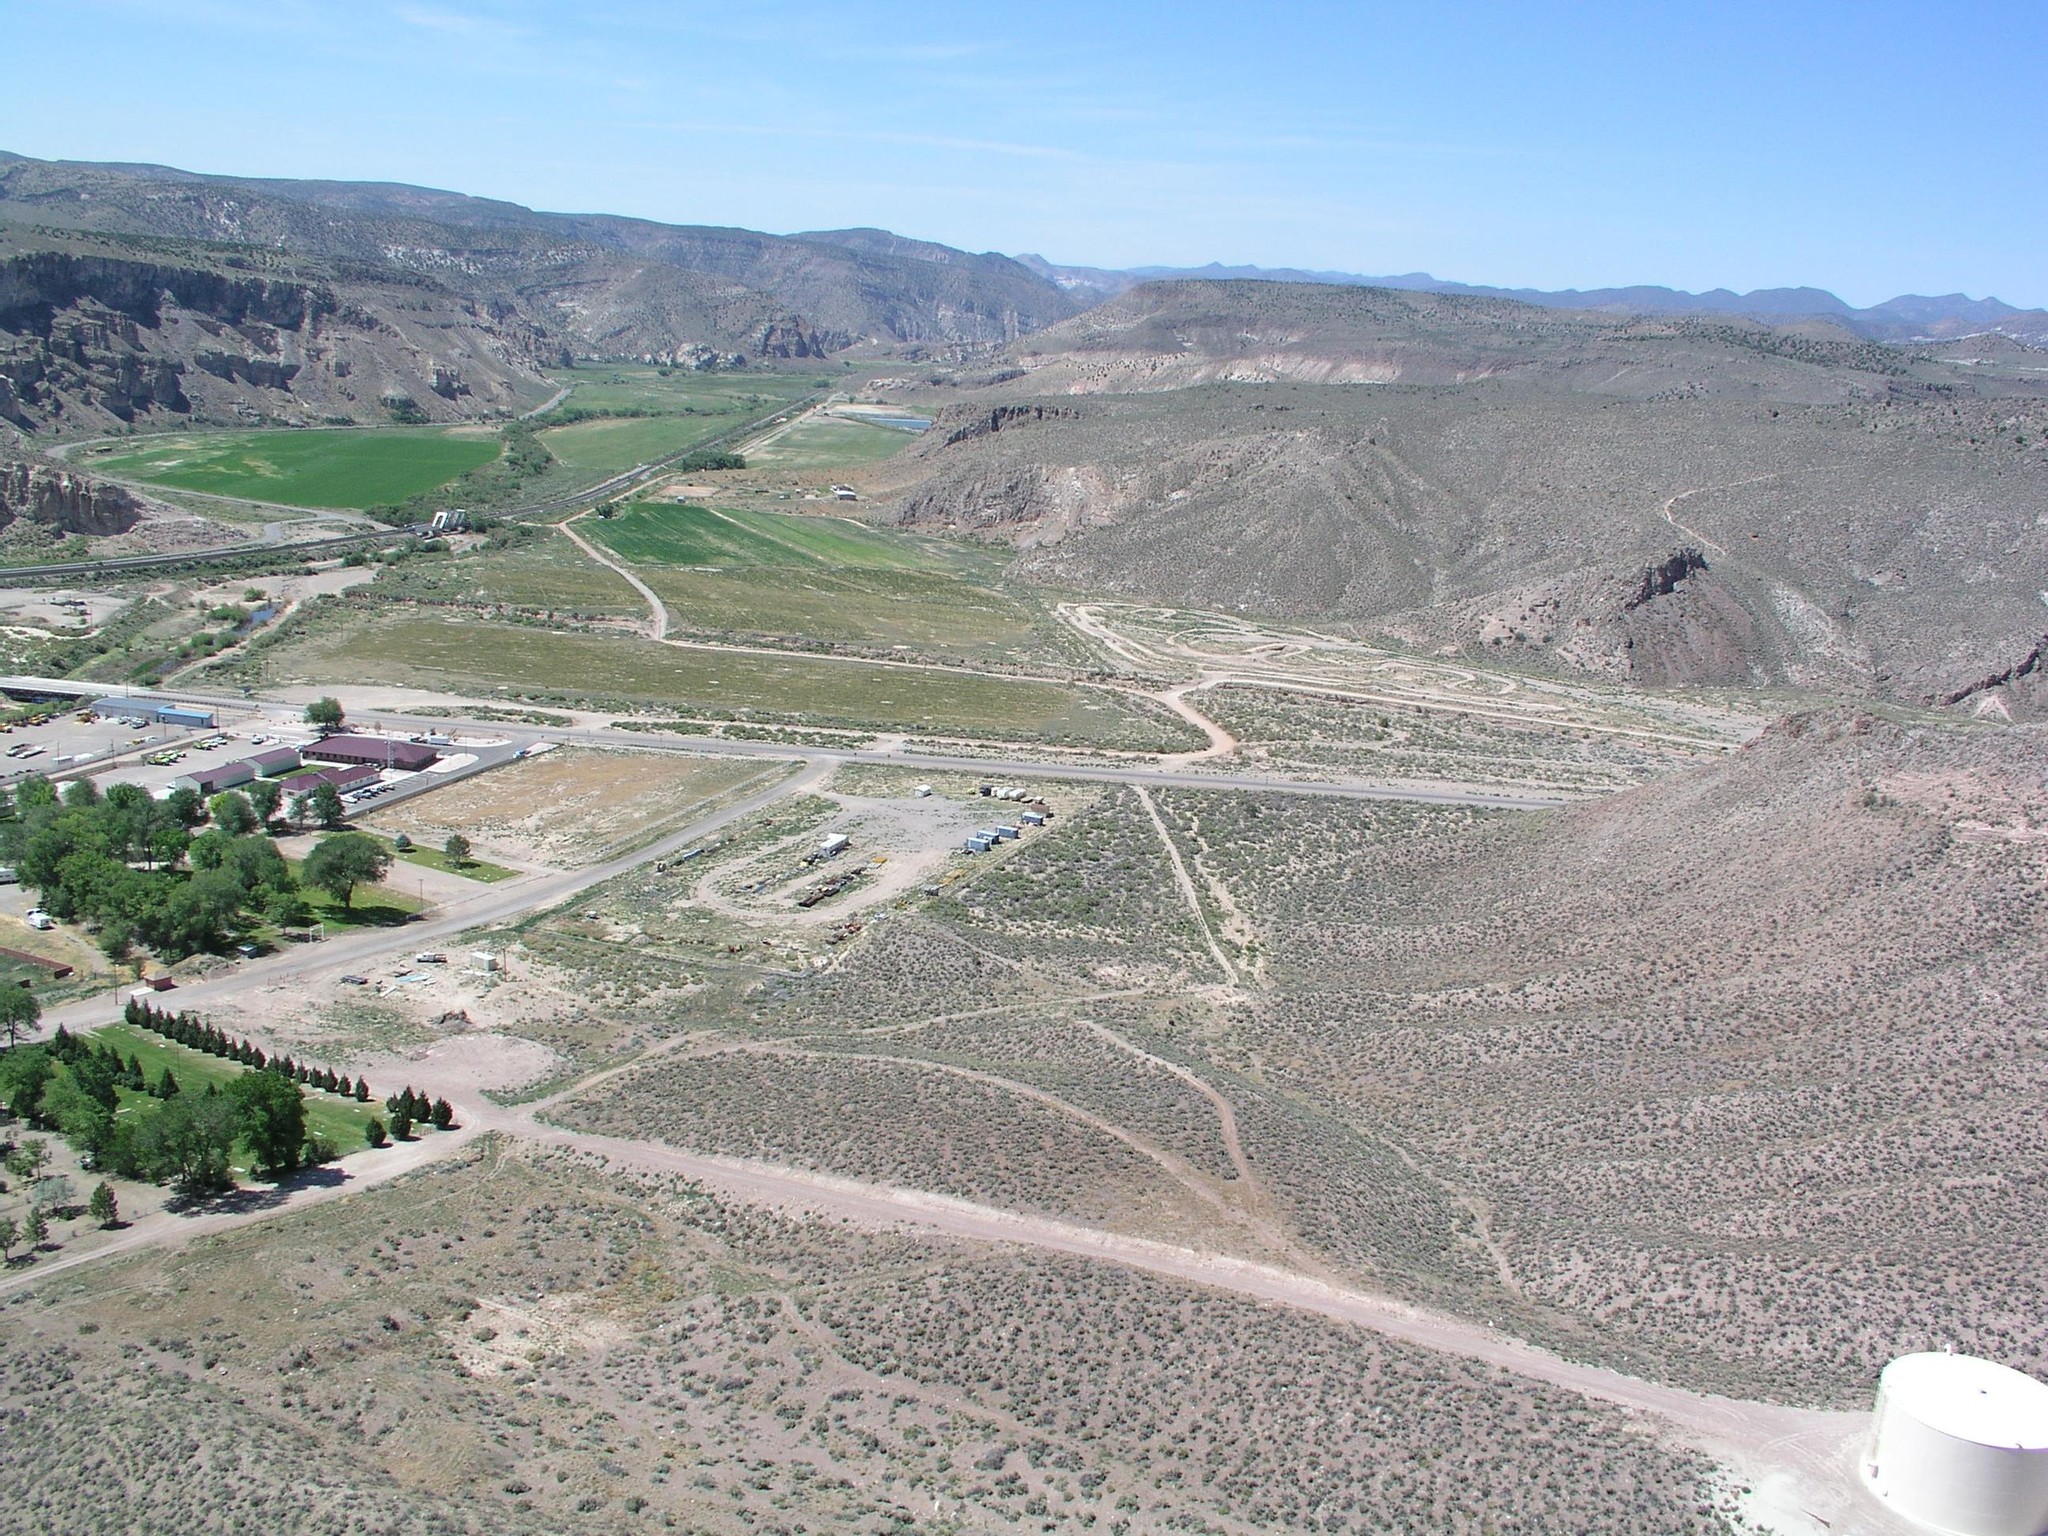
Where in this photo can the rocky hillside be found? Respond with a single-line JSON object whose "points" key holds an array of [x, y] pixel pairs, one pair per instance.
{"points": [[64, 500], [592, 285], [98, 332], [1667, 502]]}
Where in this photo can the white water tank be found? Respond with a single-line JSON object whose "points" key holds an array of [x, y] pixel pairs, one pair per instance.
{"points": [[1960, 1445]]}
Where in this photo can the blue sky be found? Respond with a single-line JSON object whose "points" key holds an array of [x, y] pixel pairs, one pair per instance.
{"points": [[1873, 149]]}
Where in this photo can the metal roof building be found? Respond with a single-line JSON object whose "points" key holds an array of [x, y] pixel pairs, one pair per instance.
{"points": [[378, 751]]}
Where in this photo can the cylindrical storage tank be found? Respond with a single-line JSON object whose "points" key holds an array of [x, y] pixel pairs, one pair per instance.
{"points": [[1960, 1445]]}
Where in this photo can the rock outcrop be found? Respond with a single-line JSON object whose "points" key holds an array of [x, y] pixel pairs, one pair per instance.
{"points": [[65, 500]]}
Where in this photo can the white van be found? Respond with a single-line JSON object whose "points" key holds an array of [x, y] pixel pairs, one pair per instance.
{"points": [[40, 920]]}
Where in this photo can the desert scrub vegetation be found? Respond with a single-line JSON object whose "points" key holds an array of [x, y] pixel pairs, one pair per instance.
{"points": [[892, 1122], [1055, 1049], [1095, 886], [1244, 1417], [1425, 744], [1737, 1066], [521, 1341]]}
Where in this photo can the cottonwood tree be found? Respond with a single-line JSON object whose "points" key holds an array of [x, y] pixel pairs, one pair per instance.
{"points": [[338, 864], [456, 850], [326, 714], [273, 1118], [326, 805], [19, 1012]]}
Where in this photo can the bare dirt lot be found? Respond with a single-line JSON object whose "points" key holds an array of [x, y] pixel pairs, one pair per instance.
{"points": [[570, 807]]}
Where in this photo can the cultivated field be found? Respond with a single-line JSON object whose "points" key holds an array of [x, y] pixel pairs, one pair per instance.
{"points": [[348, 469], [824, 578], [828, 441], [572, 806]]}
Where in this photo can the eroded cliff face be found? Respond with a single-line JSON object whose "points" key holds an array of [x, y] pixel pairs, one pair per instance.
{"points": [[93, 343], [65, 500]]}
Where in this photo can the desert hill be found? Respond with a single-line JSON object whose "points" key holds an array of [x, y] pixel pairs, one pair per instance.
{"points": [[1667, 501], [1768, 1112], [119, 286], [1908, 317]]}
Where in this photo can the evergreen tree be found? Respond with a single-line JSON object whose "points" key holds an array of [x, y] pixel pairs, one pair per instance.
{"points": [[166, 1086], [443, 1115], [401, 1126], [37, 1228], [362, 1090], [374, 1133], [103, 1208], [10, 1234]]}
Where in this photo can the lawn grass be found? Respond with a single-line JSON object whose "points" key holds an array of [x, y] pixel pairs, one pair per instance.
{"points": [[468, 656], [339, 1120], [347, 469], [370, 906], [473, 869]]}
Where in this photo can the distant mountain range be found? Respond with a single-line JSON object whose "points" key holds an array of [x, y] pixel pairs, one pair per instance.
{"points": [[1910, 317]]}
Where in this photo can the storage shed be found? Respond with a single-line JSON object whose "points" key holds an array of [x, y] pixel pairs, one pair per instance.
{"points": [[1960, 1445], [275, 761], [211, 781]]}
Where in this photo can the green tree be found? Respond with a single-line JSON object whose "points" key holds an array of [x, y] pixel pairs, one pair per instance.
{"points": [[233, 813], [24, 1073], [374, 1132], [287, 909], [10, 1234], [28, 1159], [188, 1141], [325, 714], [273, 1118], [185, 807], [19, 1012], [443, 1115], [326, 805], [264, 796], [401, 1125], [103, 1207], [338, 864], [300, 810], [83, 1117], [456, 850], [36, 1228]]}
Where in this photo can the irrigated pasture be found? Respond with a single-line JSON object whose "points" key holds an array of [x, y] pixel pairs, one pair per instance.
{"points": [[820, 578], [829, 441], [349, 469]]}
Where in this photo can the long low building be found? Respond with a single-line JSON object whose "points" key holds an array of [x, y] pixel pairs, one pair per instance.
{"points": [[126, 706], [379, 751], [344, 776]]}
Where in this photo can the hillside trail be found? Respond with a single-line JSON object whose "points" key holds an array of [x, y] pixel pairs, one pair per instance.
{"points": [[1799, 1462], [1188, 892], [657, 624]]}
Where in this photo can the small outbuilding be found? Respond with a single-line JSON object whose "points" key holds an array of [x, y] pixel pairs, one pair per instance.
{"points": [[275, 761], [207, 782]]}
